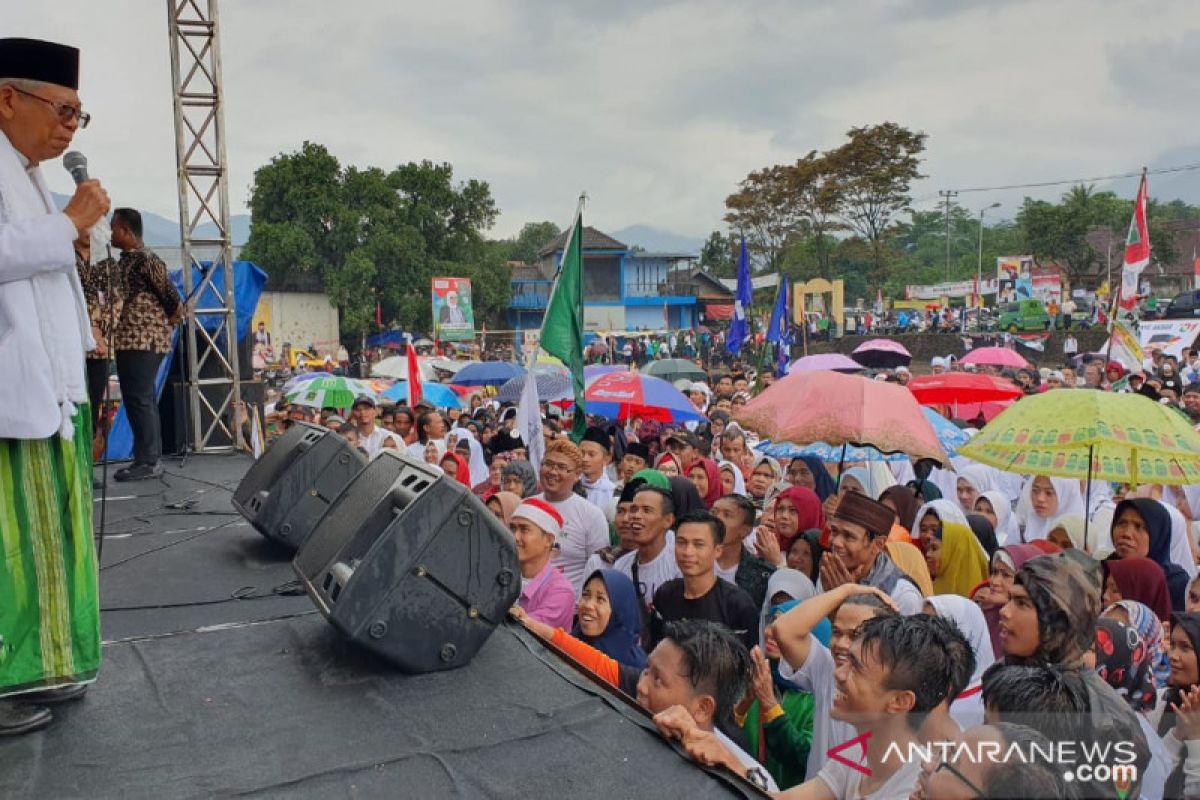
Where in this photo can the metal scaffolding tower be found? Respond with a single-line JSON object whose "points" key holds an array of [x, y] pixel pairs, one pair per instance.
{"points": [[210, 331]]}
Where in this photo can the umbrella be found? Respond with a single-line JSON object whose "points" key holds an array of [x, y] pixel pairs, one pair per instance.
{"points": [[988, 410], [1108, 436], [487, 373], [397, 367], [439, 394], [672, 369], [827, 452], [950, 435], [835, 362], [447, 364], [995, 357], [553, 383], [622, 395], [593, 371], [307, 376], [962, 387], [882, 354], [807, 407], [330, 393]]}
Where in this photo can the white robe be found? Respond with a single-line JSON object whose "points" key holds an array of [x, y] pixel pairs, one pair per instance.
{"points": [[44, 328]]}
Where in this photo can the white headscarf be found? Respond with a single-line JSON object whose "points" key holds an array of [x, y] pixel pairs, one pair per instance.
{"points": [[945, 510], [979, 477], [968, 711], [792, 582], [739, 480], [1070, 501], [1007, 530], [1181, 547], [477, 463]]}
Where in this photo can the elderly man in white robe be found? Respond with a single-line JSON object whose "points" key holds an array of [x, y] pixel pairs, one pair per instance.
{"points": [[49, 603]]}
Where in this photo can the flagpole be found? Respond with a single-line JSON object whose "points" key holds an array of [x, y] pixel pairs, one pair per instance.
{"points": [[1116, 305]]}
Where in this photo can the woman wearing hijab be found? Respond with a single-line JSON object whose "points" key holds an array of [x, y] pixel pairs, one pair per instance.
{"points": [[967, 708], [810, 472], [668, 465], [904, 501], [804, 554], [607, 617], [995, 506], [455, 466], [475, 459], [1066, 531], [796, 509], [1142, 619], [732, 480], [1002, 574], [1184, 780], [932, 516], [1139, 580], [764, 474], [857, 479], [1050, 618], [503, 504], [519, 478], [1047, 500], [707, 476], [775, 716], [956, 561], [1125, 663], [1142, 529], [972, 481], [684, 494], [985, 534]]}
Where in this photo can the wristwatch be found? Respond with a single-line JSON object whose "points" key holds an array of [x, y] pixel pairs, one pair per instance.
{"points": [[757, 777]]}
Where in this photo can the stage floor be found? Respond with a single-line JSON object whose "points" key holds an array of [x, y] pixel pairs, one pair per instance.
{"points": [[201, 695]]}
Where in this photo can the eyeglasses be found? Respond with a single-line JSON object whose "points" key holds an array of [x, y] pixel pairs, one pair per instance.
{"points": [[979, 793], [554, 466], [66, 113]]}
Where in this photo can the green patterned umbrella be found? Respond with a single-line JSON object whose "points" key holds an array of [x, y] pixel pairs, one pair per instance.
{"points": [[331, 392]]}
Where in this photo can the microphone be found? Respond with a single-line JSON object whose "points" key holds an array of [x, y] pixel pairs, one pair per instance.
{"points": [[75, 163]]}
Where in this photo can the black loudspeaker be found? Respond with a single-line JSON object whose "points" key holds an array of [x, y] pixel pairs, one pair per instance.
{"points": [[287, 491], [411, 565]]}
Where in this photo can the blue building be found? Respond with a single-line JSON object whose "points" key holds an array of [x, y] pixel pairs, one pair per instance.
{"points": [[623, 290]]}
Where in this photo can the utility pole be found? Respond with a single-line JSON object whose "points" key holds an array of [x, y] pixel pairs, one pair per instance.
{"points": [[946, 195]]}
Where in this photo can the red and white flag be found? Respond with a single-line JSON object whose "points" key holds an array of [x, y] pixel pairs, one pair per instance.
{"points": [[1137, 250], [414, 377]]}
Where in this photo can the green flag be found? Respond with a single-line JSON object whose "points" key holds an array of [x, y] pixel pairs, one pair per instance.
{"points": [[562, 327]]}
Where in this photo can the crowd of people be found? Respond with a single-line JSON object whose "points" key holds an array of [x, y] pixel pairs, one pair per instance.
{"points": [[767, 610]]}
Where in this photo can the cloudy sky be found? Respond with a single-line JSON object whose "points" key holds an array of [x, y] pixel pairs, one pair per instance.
{"points": [[657, 109]]}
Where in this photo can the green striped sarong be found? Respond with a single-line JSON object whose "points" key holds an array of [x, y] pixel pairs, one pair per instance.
{"points": [[49, 592]]}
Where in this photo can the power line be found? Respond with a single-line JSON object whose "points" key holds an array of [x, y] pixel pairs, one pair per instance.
{"points": [[1069, 181]]}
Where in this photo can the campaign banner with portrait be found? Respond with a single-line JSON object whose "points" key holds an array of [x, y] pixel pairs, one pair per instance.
{"points": [[453, 314], [1014, 278], [1172, 336]]}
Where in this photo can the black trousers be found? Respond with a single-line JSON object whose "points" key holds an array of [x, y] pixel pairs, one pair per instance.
{"points": [[97, 381], [136, 370]]}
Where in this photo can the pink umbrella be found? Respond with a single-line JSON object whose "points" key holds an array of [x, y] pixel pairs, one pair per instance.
{"points": [[825, 361], [995, 357], [807, 407]]}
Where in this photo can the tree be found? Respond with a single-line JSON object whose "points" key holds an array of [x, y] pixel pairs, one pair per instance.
{"points": [[532, 238], [818, 194], [376, 236], [718, 256], [763, 211], [875, 170]]}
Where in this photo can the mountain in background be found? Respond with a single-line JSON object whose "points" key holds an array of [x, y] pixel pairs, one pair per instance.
{"points": [[160, 231], [656, 240]]}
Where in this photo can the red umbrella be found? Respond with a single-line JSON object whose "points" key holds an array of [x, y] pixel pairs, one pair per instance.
{"points": [[995, 357], [961, 387], [807, 407]]}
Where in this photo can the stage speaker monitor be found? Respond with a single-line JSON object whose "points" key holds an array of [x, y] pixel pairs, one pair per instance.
{"points": [[290, 487], [411, 565]]}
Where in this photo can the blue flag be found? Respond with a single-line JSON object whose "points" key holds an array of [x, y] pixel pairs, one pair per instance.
{"points": [[780, 331], [739, 329]]}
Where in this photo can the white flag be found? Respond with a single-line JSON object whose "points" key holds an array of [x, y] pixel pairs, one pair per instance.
{"points": [[256, 439], [529, 421]]}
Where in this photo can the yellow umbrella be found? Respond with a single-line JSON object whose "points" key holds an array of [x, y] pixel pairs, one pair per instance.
{"points": [[1086, 434]]}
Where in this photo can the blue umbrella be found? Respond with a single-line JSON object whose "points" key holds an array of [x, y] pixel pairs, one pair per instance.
{"points": [[950, 435], [487, 373], [553, 383], [440, 395]]}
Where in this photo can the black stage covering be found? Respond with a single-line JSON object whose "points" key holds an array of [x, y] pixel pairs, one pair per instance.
{"points": [[261, 697]]}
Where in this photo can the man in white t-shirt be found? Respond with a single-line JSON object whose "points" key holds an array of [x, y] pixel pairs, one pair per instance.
{"points": [[585, 530], [371, 437], [596, 450], [649, 520]]}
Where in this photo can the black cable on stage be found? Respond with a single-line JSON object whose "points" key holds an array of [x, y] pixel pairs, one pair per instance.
{"points": [[186, 539], [288, 589]]}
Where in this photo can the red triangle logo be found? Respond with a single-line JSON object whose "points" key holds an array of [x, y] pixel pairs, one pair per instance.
{"points": [[861, 741]]}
